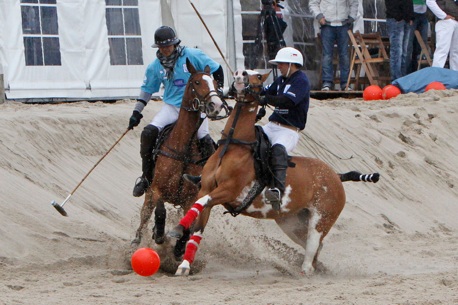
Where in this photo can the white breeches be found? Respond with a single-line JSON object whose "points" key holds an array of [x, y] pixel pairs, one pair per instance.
{"points": [[281, 135], [446, 44], [169, 114]]}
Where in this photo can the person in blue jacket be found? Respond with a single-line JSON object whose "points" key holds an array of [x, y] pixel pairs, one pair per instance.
{"points": [[168, 69]]}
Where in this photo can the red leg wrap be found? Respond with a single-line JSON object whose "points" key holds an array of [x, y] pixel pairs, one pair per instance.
{"points": [[191, 215], [191, 248]]}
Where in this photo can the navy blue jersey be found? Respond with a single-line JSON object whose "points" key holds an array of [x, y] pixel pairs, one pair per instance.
{"points": [[297, 89]]}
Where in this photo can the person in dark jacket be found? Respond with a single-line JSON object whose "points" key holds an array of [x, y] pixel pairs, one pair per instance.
{"points": [[399, 20], [290, 95], [446, 32]]}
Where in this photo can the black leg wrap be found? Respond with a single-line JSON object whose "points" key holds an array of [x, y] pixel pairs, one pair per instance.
{"points": [[180, 246], [159, 224]]}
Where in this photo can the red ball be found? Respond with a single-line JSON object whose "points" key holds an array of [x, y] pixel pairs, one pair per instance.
{"points": [[145, 261], [372, 92], [390, 91], [435, 86]]}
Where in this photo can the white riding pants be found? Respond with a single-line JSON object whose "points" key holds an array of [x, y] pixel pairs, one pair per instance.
{"points": [[281, 135], [169, 114], [446, 44]]}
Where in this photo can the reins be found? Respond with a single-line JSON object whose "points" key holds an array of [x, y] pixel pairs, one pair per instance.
{"points": [[241, 101]]}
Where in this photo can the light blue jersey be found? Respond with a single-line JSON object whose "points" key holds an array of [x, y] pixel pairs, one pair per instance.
{"points": [[155, 75]]}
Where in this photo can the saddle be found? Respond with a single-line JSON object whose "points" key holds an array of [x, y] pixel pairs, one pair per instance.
{"points": [[186, 157], [263, 172], [163, 135]]}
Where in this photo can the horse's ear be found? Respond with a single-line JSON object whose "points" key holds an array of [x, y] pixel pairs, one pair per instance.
{"points": [[265, 76], [207, 69], [190, 67]]}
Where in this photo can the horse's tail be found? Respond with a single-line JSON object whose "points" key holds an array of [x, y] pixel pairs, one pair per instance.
{"points": [[356, 176]]}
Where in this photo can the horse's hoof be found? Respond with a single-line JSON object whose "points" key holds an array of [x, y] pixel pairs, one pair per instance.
{"points": [[183, 269], [159, 240], [177, 232]]}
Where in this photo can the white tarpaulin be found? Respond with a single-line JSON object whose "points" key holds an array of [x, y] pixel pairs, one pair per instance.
{"points": [[101, 48]]}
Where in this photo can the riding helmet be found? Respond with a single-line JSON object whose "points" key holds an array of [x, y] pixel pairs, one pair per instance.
{"points": [[165, 36], [288, 55]]}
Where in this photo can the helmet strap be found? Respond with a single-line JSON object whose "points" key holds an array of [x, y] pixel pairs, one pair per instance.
{"points": [[289, 70]]}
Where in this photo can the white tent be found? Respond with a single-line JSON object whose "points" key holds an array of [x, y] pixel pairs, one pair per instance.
{"points": [[99, 49], [90, 49]]}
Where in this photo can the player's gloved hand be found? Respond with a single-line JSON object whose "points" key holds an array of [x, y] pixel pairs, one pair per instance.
{"points": [[263, 101], [261, 114], [135, 119]]}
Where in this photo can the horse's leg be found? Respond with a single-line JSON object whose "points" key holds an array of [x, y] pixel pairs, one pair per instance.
{"points": [[145, 215], [295, 226], [159, 222], [313, 242], [193, 244], [180, 245], [191, 215], [191, 248]]}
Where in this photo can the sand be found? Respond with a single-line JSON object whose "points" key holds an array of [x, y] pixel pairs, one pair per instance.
{"points": [[395, 242]]}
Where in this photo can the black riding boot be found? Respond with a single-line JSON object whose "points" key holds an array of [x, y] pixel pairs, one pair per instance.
{"points": [[279, 164], [147, 144], [206, 147]]}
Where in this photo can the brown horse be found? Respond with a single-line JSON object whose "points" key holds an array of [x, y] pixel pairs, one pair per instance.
{"points": [[179, 154], [313, 199]]}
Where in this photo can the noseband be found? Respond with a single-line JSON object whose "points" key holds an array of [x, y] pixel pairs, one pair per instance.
{"points": [[250, 90], [199, 102]]}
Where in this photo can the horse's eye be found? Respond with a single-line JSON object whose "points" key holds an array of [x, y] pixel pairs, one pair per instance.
{"points": [[197, 82], [259, 76]]}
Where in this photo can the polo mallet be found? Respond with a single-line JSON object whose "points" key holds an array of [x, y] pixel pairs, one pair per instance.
{"points": [[211, 36], [60, 207]]}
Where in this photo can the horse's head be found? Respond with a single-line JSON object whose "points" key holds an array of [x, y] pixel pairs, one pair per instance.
{"points": [[248, 84], [203, 94]]}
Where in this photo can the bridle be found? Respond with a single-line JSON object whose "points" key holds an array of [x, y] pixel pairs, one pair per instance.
{"points": [[199, 102], [250, 90], [241, 101]]}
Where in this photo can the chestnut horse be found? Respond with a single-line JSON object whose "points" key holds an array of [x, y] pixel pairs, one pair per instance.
{"points": [[179, 154], [314, 195]]}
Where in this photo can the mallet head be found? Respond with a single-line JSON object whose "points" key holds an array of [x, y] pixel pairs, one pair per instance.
{"points": [[59, 208]]}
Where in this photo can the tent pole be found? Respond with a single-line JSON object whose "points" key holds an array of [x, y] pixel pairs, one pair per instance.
{"points": [[2, 90], [231, 34]]}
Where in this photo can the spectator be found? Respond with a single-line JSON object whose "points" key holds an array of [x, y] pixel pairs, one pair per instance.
{"points": [[446, 32], [421, 24], [335, 17], [399, 16]]}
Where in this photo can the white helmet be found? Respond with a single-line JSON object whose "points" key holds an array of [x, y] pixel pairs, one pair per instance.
{"points": [[288, 55]]}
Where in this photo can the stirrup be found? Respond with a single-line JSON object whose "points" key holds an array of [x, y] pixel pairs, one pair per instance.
{"points": [[141, 185], [273, 197], [193, 179]]}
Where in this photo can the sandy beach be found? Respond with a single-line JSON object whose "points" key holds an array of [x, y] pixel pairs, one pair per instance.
{"points": [[395, 242]]}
